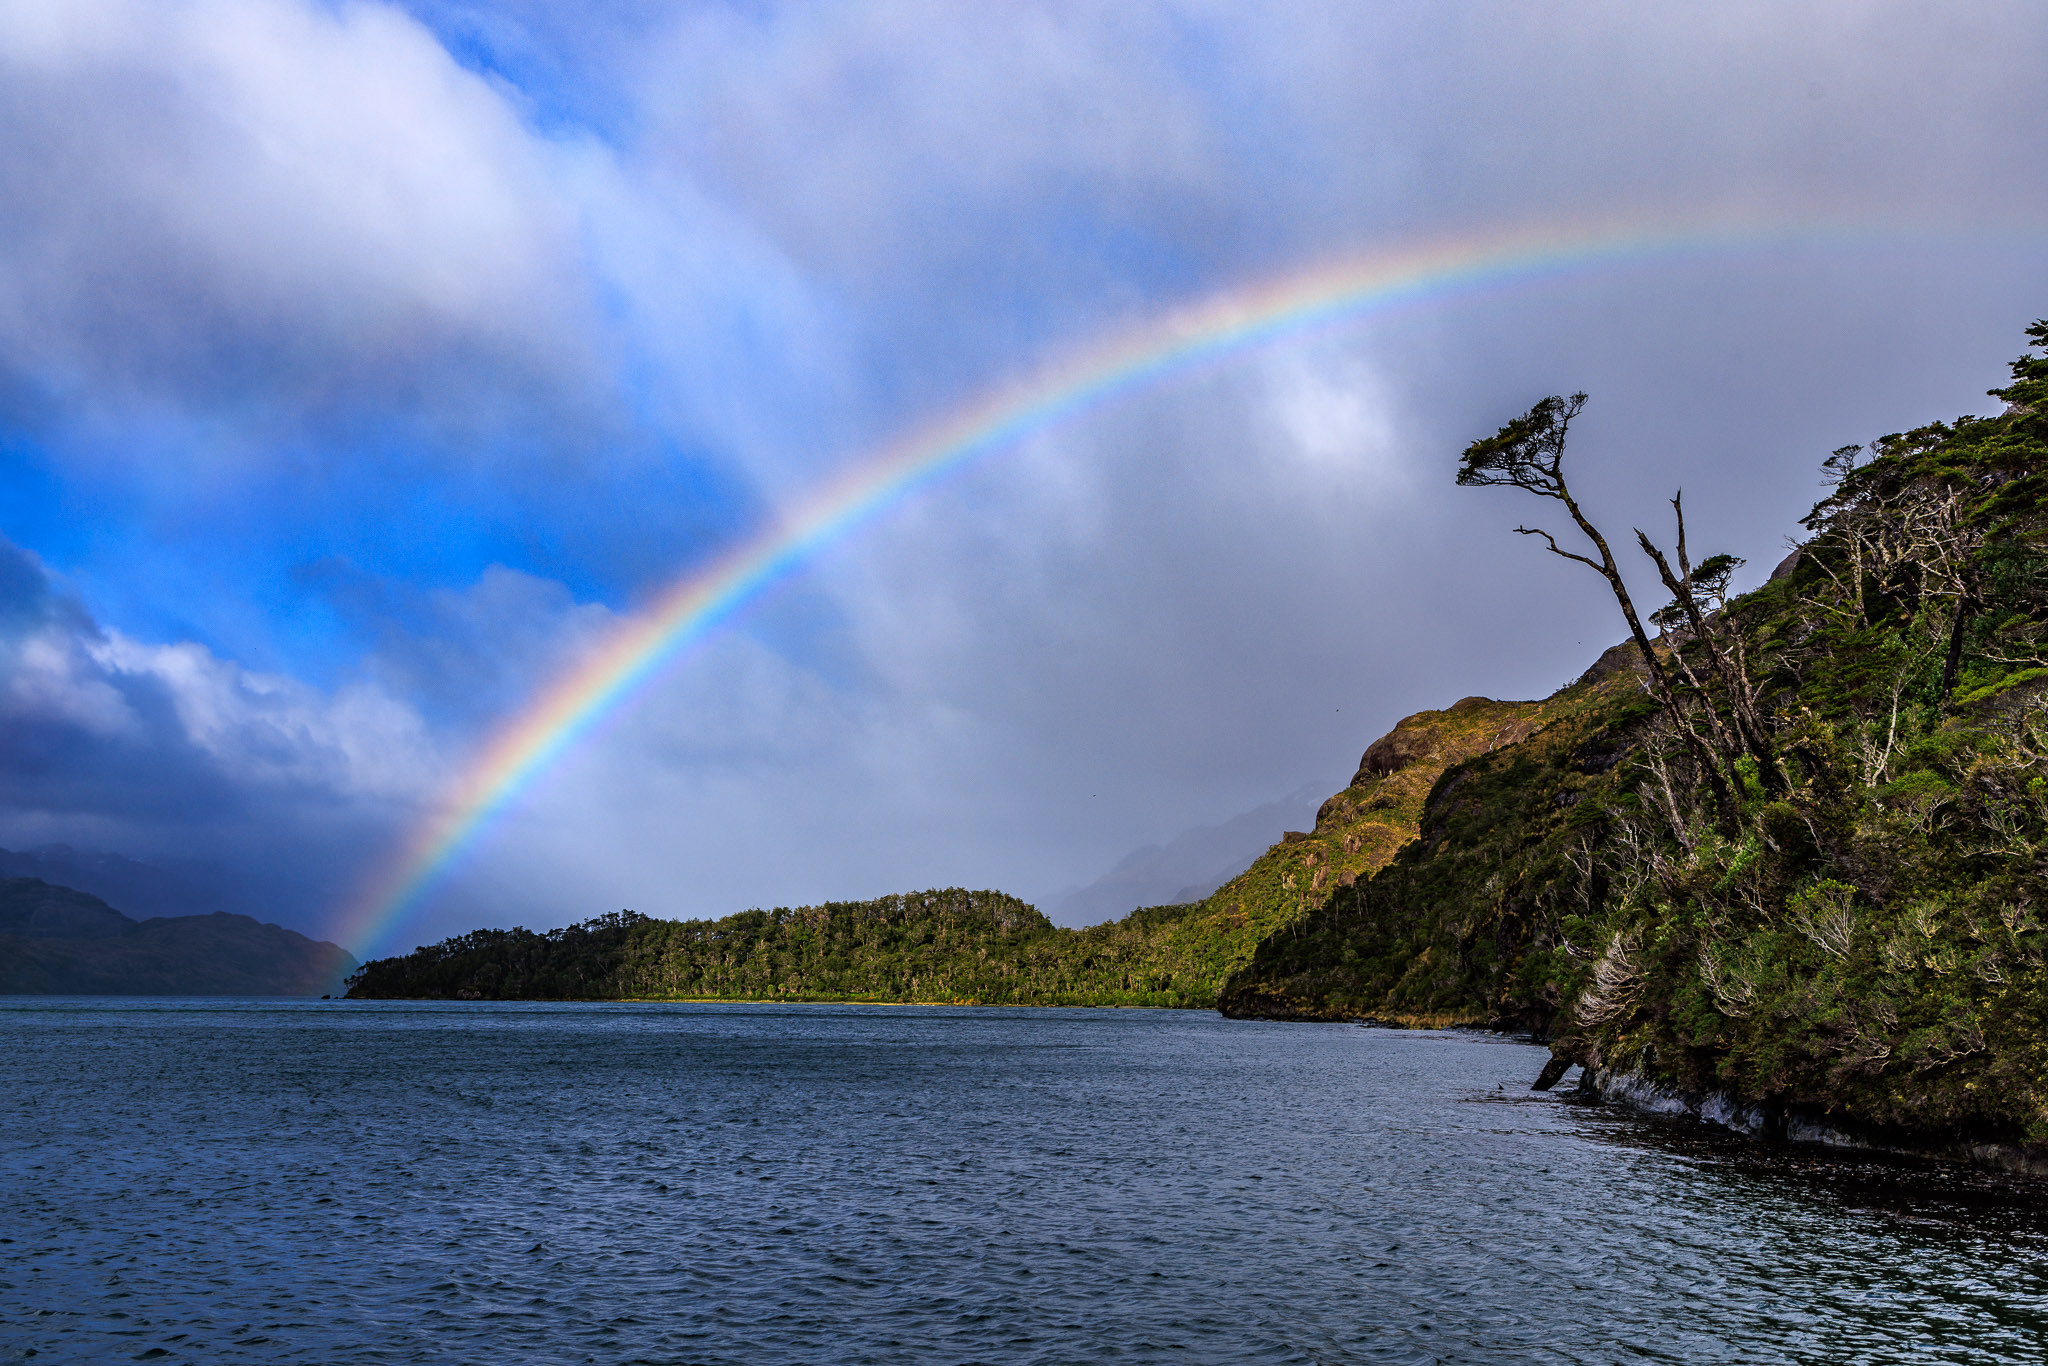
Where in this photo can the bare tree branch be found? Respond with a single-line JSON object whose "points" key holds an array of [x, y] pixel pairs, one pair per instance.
{"points": [[1555, 548]]}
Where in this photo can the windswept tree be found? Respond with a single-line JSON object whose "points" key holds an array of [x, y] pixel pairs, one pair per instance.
{"points": [[1528, 454], [1728, 726]]}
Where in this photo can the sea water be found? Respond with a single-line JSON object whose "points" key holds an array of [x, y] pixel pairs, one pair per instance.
{"points": [[265, 1181]]}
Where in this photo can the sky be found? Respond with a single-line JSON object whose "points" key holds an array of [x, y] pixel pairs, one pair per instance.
{"points": [[365, 368]]}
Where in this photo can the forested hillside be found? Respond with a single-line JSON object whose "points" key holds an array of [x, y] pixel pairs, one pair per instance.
{"points": [[938, 946], [982, 947], [1802, 864]]}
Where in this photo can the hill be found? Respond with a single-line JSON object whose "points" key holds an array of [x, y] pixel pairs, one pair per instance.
{"points": [[936, 946], [143, 890], [1793, 875], [983, 947], [60, 941]]}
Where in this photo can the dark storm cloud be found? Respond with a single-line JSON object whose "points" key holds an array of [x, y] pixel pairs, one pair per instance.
{"points": [[169, 752]]}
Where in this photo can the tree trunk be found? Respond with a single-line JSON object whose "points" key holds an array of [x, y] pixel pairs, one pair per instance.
{"points": [[1954, 663]]}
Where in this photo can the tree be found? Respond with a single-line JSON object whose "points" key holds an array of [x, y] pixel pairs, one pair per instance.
{"points": [[1528, 454]]}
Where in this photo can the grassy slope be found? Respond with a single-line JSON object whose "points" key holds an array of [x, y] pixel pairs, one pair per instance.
{"points": [[1456, 926], [1359, 830]]}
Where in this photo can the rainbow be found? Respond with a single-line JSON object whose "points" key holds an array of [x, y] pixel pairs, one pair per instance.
{"points": [[1202, 332]]}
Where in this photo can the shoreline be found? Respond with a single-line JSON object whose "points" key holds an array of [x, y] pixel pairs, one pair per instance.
{"points": [[767, 1001], [1804, 1126]]}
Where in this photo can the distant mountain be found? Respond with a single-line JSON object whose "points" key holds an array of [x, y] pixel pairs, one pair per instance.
{"points": [[33, 909], [143, 889], [60, 941], [1188, 867]]}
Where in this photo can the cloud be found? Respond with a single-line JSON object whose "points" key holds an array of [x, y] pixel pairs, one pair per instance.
{"points": [[921, 123], [166, 749], [1338, 415], [464, 655], [259, 731], [256, 214]]}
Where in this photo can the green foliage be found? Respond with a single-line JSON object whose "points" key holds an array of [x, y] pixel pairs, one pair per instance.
{"points": [[938, 946], [1527, 452], [2001, 683], [1858, 935]]}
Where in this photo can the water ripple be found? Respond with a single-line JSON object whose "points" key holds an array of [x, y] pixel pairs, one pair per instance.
{"points": [[383, 1182]]}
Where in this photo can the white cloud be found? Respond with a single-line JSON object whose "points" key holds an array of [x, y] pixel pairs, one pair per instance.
{"points": [[272, 208], [266, 730], [49, 679], [1337, 415], [178, 745]]}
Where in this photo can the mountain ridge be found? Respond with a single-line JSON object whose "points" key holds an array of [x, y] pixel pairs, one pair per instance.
{"points": [[57, 940]]}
